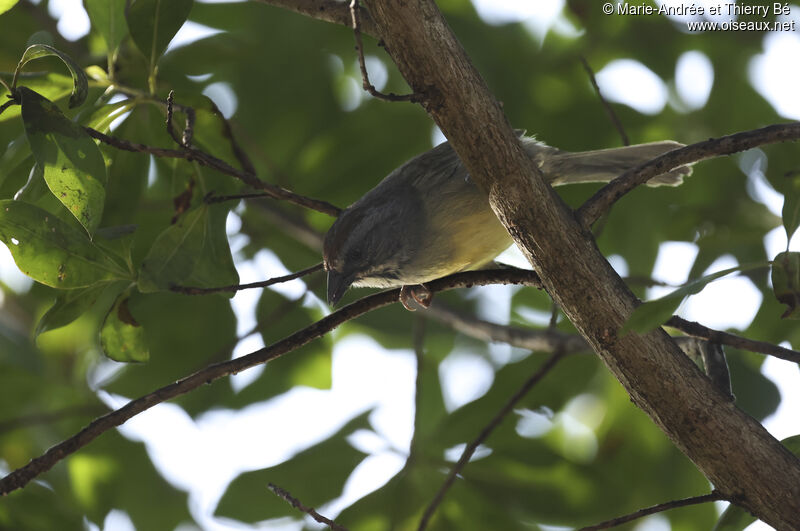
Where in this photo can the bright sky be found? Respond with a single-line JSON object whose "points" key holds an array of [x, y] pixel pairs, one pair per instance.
{"points": [[239, 440]]}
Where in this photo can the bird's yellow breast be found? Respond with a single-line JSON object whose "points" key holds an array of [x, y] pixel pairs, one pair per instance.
{"points": [[460, 238]]}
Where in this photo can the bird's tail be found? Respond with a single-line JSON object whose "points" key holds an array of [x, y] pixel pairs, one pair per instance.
{"points": [[602, 165]]}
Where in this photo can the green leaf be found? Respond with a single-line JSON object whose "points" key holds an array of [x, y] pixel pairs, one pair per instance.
{"points": [[214, 267], [5, 5], [122, 337], [51, 251], [69, 305], [786, 282], [654, 313], [173, 255], [153, 23], [333, 459], [791, 209], [73, 166], [108, 18], [102, 117], [80, 85], [51, 85]]}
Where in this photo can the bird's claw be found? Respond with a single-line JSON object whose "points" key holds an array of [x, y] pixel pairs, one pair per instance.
{"points": [[418, 293]]}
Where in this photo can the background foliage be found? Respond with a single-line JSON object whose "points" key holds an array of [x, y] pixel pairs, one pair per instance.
{"points": [[300, 116]]}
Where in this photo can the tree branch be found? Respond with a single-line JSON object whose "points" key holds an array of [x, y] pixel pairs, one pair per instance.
{"points": [[355, 13], [327, 10], [600, 202], [535, 378], [297, 504], [609, 110], [695, 329], [735, 452], [21, 476], [191, 290], [548, 340], [190, 153], [661, 507]]}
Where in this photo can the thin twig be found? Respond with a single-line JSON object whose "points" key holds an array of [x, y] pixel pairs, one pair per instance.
{"points": [[355, 9], [724, 338], [291, 224], [170, 129], [661, 507], [419, 355], [21, 476], [192, 290], [548, 340], [211, 199], [227, 132], [188, 129], [185, 140], [472, 446], [609, 110], [648, 282], [190, 153], [554, 310], [297, 504], [600, 202]]}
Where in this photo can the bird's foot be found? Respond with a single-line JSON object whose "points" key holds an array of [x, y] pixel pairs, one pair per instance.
{"points": [[418, 293]]}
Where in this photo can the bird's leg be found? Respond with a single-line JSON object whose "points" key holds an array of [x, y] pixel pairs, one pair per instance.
{"points": [[419, 293]]}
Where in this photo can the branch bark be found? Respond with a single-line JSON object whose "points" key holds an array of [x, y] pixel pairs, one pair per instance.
{"points": [[21, 476], [742, 460]]}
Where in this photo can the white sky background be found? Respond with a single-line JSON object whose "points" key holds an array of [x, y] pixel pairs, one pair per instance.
{"points": [[365, 376]]}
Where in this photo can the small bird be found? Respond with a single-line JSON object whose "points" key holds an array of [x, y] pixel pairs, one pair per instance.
{"points": [[428, 219]]}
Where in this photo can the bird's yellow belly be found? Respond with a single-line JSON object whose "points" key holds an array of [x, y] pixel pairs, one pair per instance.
{"points": [[463, 240]]}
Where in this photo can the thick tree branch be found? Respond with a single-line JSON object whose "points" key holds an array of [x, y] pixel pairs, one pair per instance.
{"points": [[735, 452], [327, 10], [600, 202], [20, 477]]}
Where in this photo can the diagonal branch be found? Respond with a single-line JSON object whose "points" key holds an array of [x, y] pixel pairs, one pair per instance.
{"points": [[600, 202], [535, 378], [607, 106], [694, 329], [310, 511], [190, 153], [548, 340], [192, 290], [21, 476], [661, 507]]}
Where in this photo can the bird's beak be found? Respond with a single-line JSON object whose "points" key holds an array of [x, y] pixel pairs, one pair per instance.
{"points": [[337, 285]]}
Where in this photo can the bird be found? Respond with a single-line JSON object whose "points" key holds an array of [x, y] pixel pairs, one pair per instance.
{"points": [[428, 218]]}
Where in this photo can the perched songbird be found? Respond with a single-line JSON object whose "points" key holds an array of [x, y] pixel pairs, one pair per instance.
{"points": [[428, 219]]}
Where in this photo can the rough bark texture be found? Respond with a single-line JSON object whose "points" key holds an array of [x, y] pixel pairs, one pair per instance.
{"points": [[733, 450]]}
